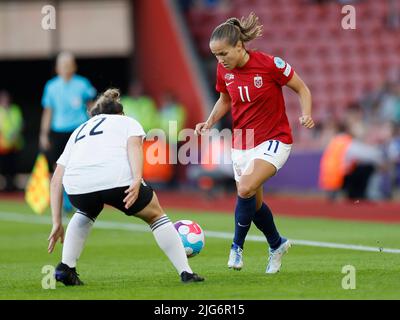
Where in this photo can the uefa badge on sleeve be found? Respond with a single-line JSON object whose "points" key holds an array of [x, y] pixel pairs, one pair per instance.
{"points": [[258, 81], [279, 63]]}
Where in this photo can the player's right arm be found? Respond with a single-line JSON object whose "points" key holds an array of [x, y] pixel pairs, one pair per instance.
{"points": [[221, 107], [44, 142], [56, 196]]}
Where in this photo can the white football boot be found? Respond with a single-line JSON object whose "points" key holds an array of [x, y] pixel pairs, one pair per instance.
{"points": [[235, 258], [275, 256]]}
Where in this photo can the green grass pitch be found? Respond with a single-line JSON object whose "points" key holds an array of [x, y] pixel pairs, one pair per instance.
{"points": [[126, 264]]}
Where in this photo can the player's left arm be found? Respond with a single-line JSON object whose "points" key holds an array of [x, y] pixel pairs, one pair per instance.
{"points": [[298, 86], [56, 197]]}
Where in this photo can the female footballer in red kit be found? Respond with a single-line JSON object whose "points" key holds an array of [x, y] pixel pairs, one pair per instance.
{"points": [[250, 86]]}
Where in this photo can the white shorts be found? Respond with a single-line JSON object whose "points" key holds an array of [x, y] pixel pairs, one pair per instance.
{"points": [[272, 151]]}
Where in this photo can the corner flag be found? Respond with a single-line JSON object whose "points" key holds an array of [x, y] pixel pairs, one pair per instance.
{"points": [[37, 192]]}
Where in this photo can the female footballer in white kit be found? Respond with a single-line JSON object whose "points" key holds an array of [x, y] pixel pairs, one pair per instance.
{"points": [[102, 164], [250, 85]]}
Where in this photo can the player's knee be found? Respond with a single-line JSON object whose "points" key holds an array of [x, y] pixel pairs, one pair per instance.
{"points": [[245, 191]]}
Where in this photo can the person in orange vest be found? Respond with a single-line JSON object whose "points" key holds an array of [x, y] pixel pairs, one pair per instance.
{"points": [[157, 168], [366, 159], [348, 163], [333, 167]]}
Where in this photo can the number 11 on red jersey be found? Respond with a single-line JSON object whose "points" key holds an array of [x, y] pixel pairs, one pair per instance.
{"points": [[246, 88]]}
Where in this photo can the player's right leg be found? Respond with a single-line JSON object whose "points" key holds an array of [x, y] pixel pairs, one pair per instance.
{"points": [[147, 208], [264, 221], [235, 260]]}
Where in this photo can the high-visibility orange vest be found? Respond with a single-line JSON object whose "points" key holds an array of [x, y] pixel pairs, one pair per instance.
{"points": [[213, 155], [332, 166], [156, 172]]}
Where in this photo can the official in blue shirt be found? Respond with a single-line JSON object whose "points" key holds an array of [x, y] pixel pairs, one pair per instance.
{"points": [[65, 102]]}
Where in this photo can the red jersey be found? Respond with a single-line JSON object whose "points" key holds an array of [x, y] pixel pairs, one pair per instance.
{"points": [[257, 99]]}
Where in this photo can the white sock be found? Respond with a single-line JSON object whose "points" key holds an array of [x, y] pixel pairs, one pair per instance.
{"points": [[75, 237], [169, 241]]}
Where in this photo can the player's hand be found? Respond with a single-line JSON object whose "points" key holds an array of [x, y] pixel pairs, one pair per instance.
{"points": [[306, 121], [132, 194], [201, 128], [44, 142], [56, 233]]}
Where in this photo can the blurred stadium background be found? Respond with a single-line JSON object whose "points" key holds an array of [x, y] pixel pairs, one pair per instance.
{"points": [[159, 49], [353, 74]]}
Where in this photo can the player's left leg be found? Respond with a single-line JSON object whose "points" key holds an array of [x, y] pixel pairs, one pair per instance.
{"points": [[147, 208], [257, 172]]}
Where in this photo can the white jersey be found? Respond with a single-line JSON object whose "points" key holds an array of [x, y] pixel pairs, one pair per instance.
{"points": [[95, 157]]}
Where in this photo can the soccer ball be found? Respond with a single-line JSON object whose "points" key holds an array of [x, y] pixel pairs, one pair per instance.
{"points": [[192, 236]]}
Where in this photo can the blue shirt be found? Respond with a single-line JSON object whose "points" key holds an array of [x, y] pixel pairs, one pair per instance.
{"points": [[68, 102]]}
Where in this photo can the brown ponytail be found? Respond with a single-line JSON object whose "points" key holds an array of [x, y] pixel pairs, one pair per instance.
{"points": [[233, 30], [107, 103]]}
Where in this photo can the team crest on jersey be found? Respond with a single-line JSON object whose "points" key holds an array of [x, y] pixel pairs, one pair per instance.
{"points": [[258, 81], [279, 63], [229, 76]]}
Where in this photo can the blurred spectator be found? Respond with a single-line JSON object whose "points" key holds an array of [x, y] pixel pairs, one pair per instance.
{"points": [[370, 103], [333, 167], [140, 107], [172, 110], [393, 17], [11, 141], [380, 184], [354, 114], [348, 163], [365, 159], [65, 100], [325, 131], [214, 175], [394, 157], [389, 108]]}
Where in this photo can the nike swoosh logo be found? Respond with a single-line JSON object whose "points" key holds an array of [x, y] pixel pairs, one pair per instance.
{"points": [[241, 225], [228, 83]]}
